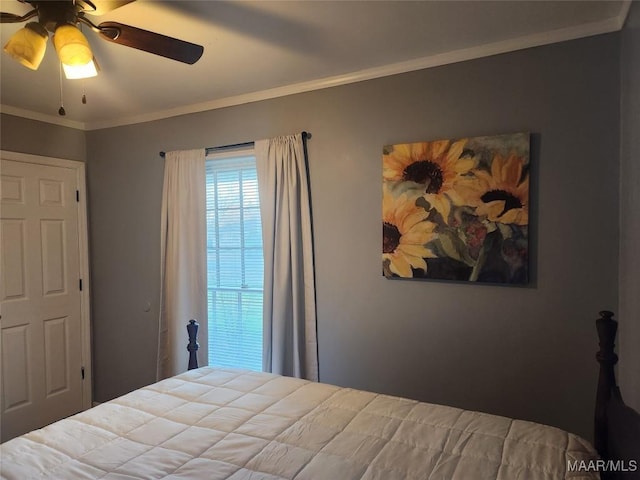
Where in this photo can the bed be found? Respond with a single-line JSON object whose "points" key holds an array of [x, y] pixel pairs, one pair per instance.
{"points": [[220, 423]]}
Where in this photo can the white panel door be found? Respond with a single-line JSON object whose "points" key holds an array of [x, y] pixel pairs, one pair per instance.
{"points": [[41, 310]]}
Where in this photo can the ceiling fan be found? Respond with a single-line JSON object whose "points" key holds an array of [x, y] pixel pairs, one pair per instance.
{"points": [[62, 18]]}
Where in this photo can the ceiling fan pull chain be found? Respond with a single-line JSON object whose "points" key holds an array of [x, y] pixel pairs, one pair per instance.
{"points": [[61, 111]]}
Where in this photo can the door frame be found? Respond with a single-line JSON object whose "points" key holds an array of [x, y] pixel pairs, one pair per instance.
{"points": [[83, 247]]}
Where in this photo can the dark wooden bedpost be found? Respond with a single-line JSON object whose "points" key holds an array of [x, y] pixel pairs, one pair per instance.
{"points": [[192, 330], [607, 328]]}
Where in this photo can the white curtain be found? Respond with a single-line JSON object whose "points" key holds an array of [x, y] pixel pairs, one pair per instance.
{"points": [[183, 276], [290, 345]]}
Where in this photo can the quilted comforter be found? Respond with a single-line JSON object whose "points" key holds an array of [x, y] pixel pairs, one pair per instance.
{"points": [[214, 423]]}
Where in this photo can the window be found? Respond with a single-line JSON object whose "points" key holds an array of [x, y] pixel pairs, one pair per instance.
{"points": [[235, 262]]}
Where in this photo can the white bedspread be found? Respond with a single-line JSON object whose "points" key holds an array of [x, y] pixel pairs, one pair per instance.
{"points": [[230, 424]]}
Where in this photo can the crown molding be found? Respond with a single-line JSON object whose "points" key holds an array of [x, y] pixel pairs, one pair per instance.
{"points": [[609, 25], [624, 13], [41, 117]]}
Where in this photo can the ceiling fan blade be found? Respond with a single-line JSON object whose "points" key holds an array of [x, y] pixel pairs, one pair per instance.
{"points": [[105, 6], [9, 17], [6, 17], [151, 42]]}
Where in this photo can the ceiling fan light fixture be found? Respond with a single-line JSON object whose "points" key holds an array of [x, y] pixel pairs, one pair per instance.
{"points": [[72, 46], [88, 70], [28, 45]]}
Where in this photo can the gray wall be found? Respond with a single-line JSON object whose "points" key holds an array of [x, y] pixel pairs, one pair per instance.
{"points": [[522, 352], [23, 135], [630, 211]]}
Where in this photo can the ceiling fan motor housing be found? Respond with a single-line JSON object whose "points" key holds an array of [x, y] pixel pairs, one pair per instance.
{"points": [[52, 14]]}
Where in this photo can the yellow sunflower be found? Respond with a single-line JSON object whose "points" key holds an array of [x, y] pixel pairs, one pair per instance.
{"points": [[434, 167], [501, 195], [405, 232]]}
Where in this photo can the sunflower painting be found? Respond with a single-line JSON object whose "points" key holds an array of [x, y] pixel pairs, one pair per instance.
{"points": [[457, 209]]}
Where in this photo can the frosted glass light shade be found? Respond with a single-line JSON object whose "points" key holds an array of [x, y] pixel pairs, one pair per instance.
{"points": [[27, 45], [74, 72], [72, 46]]}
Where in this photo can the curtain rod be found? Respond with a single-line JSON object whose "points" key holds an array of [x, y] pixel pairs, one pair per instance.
{"points": [[209, 150]]}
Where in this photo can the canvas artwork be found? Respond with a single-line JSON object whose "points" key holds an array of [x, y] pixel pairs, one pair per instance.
{"points": [[457, 209]]}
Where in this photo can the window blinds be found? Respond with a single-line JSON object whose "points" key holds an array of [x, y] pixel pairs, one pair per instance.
{"points": [[235, 263]]}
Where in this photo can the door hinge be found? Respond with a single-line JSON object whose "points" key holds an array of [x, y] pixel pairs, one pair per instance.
{"points": [[77, 195], [82, 372], [80, 283]]}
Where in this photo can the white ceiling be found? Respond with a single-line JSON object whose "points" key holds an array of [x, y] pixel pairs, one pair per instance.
{"points": [[262, 49]]}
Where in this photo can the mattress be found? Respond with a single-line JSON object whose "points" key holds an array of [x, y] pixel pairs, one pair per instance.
{"points": [[214, 423]]}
